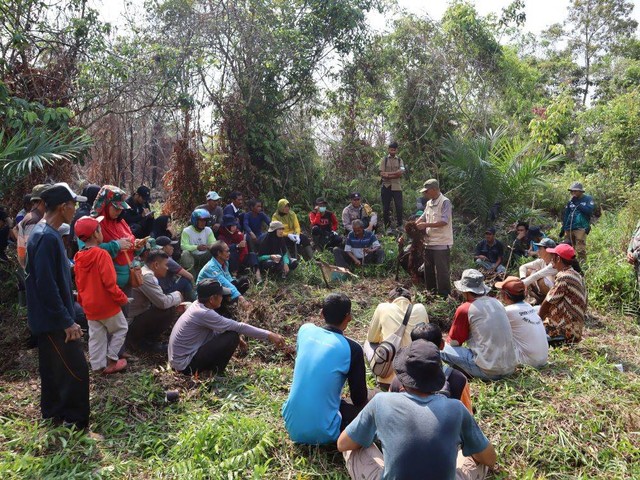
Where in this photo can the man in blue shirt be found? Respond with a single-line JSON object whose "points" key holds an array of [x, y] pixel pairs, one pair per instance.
{"points": [[577, 218], [64, 373], [218, 269], [420, 430], [361, 248], [314, 412]]}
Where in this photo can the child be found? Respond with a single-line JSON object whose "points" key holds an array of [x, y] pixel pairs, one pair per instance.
{"points": [[100, 298]]}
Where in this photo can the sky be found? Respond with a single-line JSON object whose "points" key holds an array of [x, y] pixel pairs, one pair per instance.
{"points": [[540, 13]]}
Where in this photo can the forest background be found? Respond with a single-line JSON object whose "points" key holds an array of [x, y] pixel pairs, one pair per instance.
{"points": [[299, 99]]}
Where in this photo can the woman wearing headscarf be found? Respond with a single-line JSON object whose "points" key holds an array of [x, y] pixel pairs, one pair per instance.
{"points": [[294, 239], [272, 252], [161, 227]]}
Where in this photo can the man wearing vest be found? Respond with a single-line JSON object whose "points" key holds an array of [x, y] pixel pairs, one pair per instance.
{"points": [[391, 171], [436, 221]]}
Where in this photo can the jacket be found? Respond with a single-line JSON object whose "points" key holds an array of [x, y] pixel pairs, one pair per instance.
{"points": [[577, 213], [150, 294]]}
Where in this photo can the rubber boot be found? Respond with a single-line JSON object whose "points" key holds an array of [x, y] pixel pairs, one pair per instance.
{"points": [[307, 253]]}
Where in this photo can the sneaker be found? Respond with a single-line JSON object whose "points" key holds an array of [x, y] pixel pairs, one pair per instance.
{"points": [[115, 367]]}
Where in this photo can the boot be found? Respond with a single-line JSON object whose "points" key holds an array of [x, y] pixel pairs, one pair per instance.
{"points": [[307, 253]]}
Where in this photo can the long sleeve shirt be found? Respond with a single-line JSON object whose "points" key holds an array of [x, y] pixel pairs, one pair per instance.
{"points": [[214, 270], [150, 293], [541, 270], [326, 220]]}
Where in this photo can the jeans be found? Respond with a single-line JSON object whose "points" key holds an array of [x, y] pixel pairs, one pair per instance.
{"points": [[463, 358]]}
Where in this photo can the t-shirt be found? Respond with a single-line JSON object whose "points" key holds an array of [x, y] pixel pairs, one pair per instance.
{"points": [[484, 325], [198, 325], [419, 435], [357, 245], [492, 252], [169, 280], [325, 360], [529, 336]]}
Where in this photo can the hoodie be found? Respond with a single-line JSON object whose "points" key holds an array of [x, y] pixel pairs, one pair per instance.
{"points": [[289, 220], [98, 293]]}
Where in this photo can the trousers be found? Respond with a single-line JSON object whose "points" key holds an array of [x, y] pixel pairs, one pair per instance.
{"points": [[387, 195]]}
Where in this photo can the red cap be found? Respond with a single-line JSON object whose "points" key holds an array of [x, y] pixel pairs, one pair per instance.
{"points": [[85, 226], [563, 251]]}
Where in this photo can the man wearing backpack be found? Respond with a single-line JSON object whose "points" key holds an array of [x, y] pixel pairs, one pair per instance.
{"points": [[386, 320], [391, 171], [576, 220]]}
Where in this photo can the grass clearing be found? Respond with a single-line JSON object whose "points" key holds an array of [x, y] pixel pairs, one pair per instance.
{"points": [[576, 418]]}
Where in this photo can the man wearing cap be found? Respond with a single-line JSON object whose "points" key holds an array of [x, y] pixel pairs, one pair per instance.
{"points": [[139, 216], [152, 311], [529, 336], [324, 226], [177, 278], [314, 412], [436, 221], [633, 253], [64, 372], [489, 252], [576, 219], [482, 322], [357, 211], [214, 208], [539, 275], [565, 305], [420, 430], [386, 320], [30, 220], [203, 340], [391, 171]]}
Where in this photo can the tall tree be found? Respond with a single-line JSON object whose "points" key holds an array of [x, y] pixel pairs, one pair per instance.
{"points": [[593, 27]]}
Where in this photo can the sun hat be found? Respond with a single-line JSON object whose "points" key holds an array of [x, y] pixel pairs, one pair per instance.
{"points": [[513, 285], [563, 251], [472, 281], [419, 366], [576, 186], [273, 226]]}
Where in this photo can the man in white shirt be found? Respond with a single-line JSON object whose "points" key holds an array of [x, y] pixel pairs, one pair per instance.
{"points": [[528, 332], [539, 275]]}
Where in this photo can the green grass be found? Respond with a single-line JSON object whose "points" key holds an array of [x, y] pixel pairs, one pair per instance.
{"points": [[576, 418]]}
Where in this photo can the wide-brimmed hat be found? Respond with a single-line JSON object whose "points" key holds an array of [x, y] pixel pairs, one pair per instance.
{"points": [[419, 366], [513, 285], [546, 243], [577, 186], [472, 281], [563, 251], [273, 226]]}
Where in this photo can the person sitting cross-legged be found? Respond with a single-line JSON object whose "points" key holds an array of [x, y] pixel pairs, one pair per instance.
{"points": [[539, 275], [489, 252], [420, 430], [297, 242], [529, 335], [218, 269], [456, 385], [361, 248], [315, 413], [482, 322], [195, 241], [203, 340], [152, 311], [273, 255], [324, 226]]}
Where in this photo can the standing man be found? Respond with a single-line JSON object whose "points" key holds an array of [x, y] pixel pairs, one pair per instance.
{"points": [[436, 221], [577, 218], [64, 373], [391, 171], [633, 253]]}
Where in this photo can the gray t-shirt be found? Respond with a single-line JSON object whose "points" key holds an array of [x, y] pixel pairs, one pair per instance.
{"points": [[196, 326], [419, 435]]}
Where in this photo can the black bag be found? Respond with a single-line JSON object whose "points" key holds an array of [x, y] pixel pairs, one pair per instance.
{"points": [[381, 362]]}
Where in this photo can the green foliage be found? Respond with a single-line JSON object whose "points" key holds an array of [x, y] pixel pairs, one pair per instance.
{"points": [[552, 125]]}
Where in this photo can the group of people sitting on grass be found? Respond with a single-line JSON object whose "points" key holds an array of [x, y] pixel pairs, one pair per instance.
{"points": [[196, 278]]}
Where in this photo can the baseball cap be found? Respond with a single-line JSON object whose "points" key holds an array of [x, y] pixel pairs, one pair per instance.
{"points": [[36, 193], [321, 201], [431, 183], [355, 196], [546, 243], [209, 287], [85, 226], [213, 196], [563, 251], [513, 285], [60, 193], [144, 192], [490, 230], [164, 241], [576, 186]]}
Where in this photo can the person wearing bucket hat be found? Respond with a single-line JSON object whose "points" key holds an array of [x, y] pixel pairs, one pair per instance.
{"points": [[563, 309], [203, 340], [482, 323], [529, 336], [489, 252], [51, 314], [139, 216], [415, 424], [539, 275], [30, 220], [576, 219], [272, 252], [214, 208], [324, 226], [436, 221]]}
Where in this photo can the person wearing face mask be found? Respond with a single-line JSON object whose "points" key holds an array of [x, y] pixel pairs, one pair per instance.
{"points": [[324, 226]]}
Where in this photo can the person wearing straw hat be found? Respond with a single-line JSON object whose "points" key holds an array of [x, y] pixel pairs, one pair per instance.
{"points": [[436, 221], [577, 218], [421, 430], [482, 323]]}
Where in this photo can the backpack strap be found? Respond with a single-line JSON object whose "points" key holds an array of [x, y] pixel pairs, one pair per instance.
{"points": [[407, 315]]}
